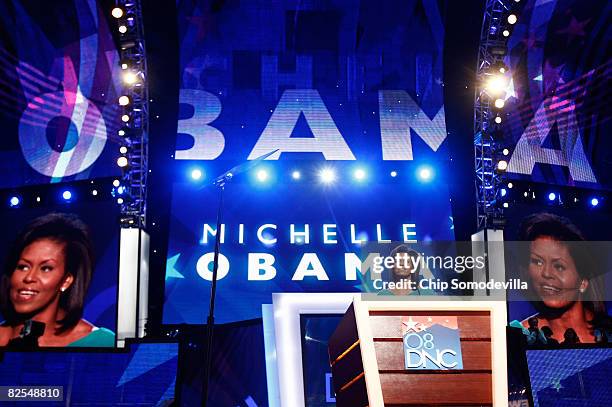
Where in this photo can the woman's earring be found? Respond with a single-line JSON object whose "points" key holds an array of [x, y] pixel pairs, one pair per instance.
{"points": [[582, 290], [63, 289]]}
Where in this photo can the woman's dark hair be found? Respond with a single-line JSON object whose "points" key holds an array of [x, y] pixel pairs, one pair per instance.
{"points": [[570, 336], [547, 331], [562, 229], [79, 260]]}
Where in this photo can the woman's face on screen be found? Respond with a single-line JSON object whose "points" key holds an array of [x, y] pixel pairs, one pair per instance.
{"points": [[553, 273], [39, 276]]}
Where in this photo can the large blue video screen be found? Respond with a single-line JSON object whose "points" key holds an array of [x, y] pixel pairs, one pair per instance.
{"points": [[59, 86], [570, 377], [355, 88], [557, 115]]}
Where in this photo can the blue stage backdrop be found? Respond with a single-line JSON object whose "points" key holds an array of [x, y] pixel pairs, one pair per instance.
{"points": [[345, 86], [558, 121], [143, 375], [58, 92], [101, 300]]}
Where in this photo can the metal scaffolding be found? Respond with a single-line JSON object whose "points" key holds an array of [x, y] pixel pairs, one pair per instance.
{"points": [[135, 114], [491, 53]]}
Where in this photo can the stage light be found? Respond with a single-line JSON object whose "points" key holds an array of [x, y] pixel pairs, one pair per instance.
{"points": [[499, 103], [117, 12], [121, 133], [552, 196], [502, 69], [296, 175], [506, 205], [122, 162], [262, 175], [505, 151], [14, 201], [327, 175], [94, 192], [525, 194], [125, 118], [123, 150], [425, 173], [122, 29], [594, 202], [124, 65], [130, 78], [116, 183], [196, 174], [502, 165], [498, 120], [510, 185], [121, 189], [393, 174], [67, 195], [359, 174], [512, 19], [124, 100], [496, 84], [506, 33], [503, 192], [119, 201]]}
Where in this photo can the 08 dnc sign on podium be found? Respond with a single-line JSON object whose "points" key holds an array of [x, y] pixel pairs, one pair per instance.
{"points": [[431, 343]]}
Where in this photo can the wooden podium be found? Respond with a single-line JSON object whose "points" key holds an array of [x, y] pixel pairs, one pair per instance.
{"points": [[367, 355]]}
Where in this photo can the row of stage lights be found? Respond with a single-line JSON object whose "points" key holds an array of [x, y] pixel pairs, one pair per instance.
{"points": [[512, 193], [67, 194], [326, 175]]}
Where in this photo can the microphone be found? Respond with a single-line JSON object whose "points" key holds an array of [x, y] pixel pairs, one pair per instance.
{"points": [[28, 337]]}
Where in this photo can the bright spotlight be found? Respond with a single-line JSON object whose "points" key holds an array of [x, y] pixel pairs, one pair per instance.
{"points": [[552, 196], [125, 118], [425, 173], [505, 151], [196, 174], [498, 120], [503, 192], [116, 183], [496, 84], [502, 165], [359, 174], [124, 100], [512, 19], [119, 201], [327, 175], [14, 201], [122, 29], [296, 175], [117, 12], [506, 33], [121, 133], [67, 195], [393, 174], [510, 185], [122, 162], [123, 149], [262, 175], [506, 205], [94, 192], [502, 69], [594, 202], [124, 65], [130, 78], [499, 103]]}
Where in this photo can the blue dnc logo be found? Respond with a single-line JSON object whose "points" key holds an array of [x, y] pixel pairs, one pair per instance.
{"points": [[431, 343]]}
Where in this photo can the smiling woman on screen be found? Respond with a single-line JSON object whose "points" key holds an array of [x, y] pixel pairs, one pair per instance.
{"points": [[45, 281], [561, 276]]}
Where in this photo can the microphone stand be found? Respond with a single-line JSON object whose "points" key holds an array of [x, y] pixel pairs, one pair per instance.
{"points": [[220, 182]]}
